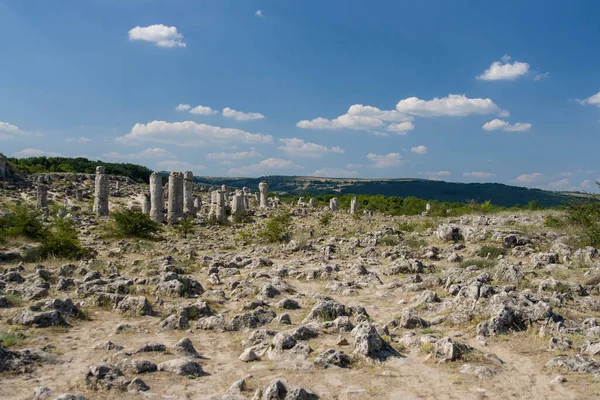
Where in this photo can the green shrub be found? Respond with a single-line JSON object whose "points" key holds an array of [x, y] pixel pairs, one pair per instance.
{"points": [[554, 222], [495, 251], [185, 227], [406, 227], [277, 228], [23, 220], [389, 240], [9, 339], [584, 214], [479, 263], [62, 242], [325, 219], [134, 223]]}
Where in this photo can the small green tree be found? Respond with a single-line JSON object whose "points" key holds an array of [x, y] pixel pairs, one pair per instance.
{"points": [[585, 215], [277, 228], [62, 242], [23, 220], [134, 223]]}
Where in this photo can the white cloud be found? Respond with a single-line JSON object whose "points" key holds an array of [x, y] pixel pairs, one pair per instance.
{"points": [[160, 35], [498, 124], [259, 13], [202, 110], [142, 155], [541, 76], [190, 134], [241, 116], [265, 167], [366, 118], [78, 140], [179, 166], [559, 185], [565, 174], [479, 174], [435, 175], [419, 149], [299, 148], [334, 173], [504, 70], [385, 160], [35, 153], [240, 155], [586, 184], [593, 100], [183, 107], [529, 178], [452, 105], [9, 131]]}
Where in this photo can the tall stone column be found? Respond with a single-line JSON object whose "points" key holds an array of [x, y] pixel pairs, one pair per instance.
{"points": [[188, 197], [197, 204], [217, 211], [175, 201], [3, 173], [157, 203], [101, 193], [263, 188], [237, 203], [246, 192], [333, 204], [353, 205], [42, 196], [145, 200], [312, 202]]}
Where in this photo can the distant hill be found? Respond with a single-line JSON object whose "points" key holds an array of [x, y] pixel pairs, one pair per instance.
{"points": [[499, 194]]}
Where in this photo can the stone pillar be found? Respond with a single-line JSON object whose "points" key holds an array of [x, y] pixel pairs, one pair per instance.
{"points": [[175, 201], [197, 204], [237, 203], [301, 201], [101, 193], [3, 174], [145, 200], [79, 195], [217, 207], [312, 201], [188, 197], [157, 202], [263, 188], [246, 192], [353, 205], [427, 207], [117, 185], [42, 196], [333, 204]]}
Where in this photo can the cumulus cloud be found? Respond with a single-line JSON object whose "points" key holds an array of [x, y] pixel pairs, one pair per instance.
{"points": [[366, 118], [593, 100], [498, 124], [240, 155], [265, 167], [541, 76], [334, 173], [142, 155], [78, 140], [419, 149], [173, 165], [478, 174], [259, 14], [385, 160], [562, 184], [241, 116], [202, 110], [9, 131], [453, 105], [299, 148], [183, 107], [586, 184], [529, 178], [35, 153], [160, 35], [190, 134], [435, 175], [504, 70]]}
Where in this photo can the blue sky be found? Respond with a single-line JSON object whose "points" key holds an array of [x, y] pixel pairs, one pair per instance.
{"points": [[464, 91]]}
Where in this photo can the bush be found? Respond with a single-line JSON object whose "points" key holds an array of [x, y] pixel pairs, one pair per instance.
{"points": [[62, 242], [495, 251], [325, 219], [134, 223], [584, 214], [22, 220], [277, 228], [480, 264], [389, 240], [554, 222], [185, 227]]}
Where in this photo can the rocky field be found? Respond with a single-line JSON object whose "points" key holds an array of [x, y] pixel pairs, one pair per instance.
{"points": [[350, 307]]}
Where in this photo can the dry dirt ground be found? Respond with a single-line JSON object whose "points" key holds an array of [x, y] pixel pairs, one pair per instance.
{"points": [[410, 307]]}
